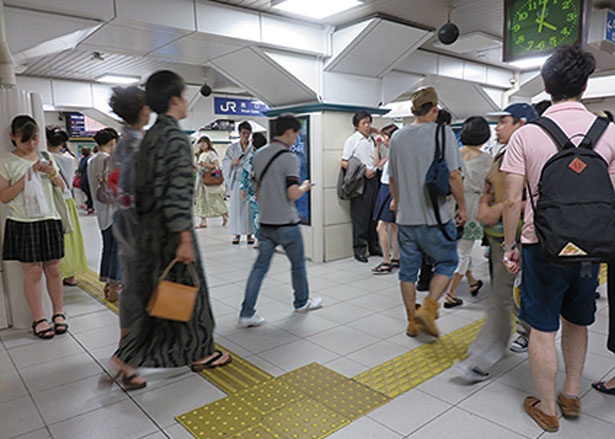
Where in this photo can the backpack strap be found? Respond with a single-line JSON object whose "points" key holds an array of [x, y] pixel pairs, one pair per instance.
{"points": [[275, 156], [552, 129], [594, 133]]}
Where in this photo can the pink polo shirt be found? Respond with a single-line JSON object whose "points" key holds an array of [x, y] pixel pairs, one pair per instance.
{"points": [[530, 147]]}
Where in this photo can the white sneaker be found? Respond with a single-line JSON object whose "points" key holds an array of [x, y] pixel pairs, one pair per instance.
{"points": [[519, 344], [470, 374], [250, 322], [312, 304]]}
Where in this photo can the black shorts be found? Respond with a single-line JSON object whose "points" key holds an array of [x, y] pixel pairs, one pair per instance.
{"points": [[38, 241]]}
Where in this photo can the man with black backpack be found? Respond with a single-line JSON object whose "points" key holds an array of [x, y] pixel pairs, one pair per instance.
{"points": [[425, 223], [566, 159]]}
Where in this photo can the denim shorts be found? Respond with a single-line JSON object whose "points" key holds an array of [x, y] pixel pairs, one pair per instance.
{"points": [[414, 241], [549, 290]]}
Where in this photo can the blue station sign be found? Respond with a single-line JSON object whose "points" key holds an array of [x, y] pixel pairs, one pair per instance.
{"points": [[239, 107]]}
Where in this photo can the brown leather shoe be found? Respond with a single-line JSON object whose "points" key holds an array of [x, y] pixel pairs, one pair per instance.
{"points": [[426, 316], [570, 405], [413, 328], [547, 422]]}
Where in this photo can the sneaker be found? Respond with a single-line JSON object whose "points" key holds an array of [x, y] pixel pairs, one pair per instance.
{"points": [[310, 305], [519, 344], [250, 322], [470, 374]]}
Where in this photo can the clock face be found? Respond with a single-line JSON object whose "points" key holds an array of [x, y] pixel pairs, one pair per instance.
{"points": [[537, 27]]}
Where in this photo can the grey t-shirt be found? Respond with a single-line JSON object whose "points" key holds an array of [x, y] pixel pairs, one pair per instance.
{"points": [[275, 209], [410, 154]]}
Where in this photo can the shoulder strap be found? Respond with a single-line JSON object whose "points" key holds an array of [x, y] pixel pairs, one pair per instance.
{"points": [[440, 148], [552, 129], [436, 210], [594, 133], [266, 168]]}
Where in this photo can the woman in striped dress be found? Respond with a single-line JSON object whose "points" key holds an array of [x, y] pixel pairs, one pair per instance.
{"points": [[164, 188]]}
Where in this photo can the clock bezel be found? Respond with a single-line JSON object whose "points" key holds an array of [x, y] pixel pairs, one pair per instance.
{"points": [[507, 56]]}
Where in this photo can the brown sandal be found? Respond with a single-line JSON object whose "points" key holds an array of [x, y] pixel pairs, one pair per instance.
{"points": [[209, 364]]}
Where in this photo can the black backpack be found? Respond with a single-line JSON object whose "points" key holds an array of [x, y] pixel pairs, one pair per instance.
{"points": [[574, 216]]}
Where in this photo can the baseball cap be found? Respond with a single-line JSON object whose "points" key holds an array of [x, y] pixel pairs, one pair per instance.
{"points": [[520, 110], [424, 96]]}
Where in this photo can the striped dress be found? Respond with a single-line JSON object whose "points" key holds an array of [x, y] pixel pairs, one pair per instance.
{"points": [[164, 188]]}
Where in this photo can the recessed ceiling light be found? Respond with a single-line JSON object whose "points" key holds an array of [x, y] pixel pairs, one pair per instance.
{"points": [[529, 63], [317, 9], [118, 79]]}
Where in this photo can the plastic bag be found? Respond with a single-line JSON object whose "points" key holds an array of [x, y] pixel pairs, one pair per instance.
{"points": [[36, 203]]}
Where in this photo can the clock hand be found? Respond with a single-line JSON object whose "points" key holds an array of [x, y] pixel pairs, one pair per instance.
{"points": [[541, 20], [544, 23]]}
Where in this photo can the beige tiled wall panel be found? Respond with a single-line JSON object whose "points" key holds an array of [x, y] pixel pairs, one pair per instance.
{"points": [[336, 210], [338, 242]]}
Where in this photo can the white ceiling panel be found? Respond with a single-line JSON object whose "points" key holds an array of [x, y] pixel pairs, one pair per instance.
{"points": [[27, 29], [194, 49], [130, 40], [177, 14], [96, 9], [264, 78]]}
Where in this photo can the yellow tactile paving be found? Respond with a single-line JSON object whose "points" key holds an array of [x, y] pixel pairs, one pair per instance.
{"points": [[89, 283], [342, 395], [306, 419], [602, 274], [269, 396], [223, 418], [407, 371]]}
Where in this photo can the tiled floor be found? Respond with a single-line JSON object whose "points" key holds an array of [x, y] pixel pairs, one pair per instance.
{"points": [[60, 388]]}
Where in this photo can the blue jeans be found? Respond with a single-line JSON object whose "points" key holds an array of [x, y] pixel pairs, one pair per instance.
{"points": [[290, 239]]}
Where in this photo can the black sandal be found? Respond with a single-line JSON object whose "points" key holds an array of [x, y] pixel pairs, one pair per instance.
{"points": [[60, 328], [475, 287], [45, 334], [235, 240], [382, 268], [452, 301], [209, 364], [395, 263], [250, 240]]}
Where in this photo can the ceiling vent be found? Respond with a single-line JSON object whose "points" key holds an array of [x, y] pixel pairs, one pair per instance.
{"points": [[472, 42]]}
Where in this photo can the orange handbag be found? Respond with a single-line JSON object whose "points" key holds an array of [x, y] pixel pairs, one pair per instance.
{"points": [[173, 301]]}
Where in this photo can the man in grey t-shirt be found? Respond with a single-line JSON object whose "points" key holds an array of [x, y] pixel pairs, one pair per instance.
{"points": [[276, 173], [411, 153]]}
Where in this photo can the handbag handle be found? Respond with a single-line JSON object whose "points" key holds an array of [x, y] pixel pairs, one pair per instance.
{"points": [[191, 270]]}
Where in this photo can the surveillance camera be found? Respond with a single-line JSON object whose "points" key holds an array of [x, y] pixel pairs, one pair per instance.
{"points": [[448, 33], [205, 90]]}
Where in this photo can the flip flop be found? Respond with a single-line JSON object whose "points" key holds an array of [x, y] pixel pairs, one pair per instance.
{"points": [[452, 301], [382, 268], [209, 364], [475, 287], [600, 386], [69, 284]]}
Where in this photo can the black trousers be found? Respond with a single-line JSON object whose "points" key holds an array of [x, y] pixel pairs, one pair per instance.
{"points": [[611, 296], [364, 235]]}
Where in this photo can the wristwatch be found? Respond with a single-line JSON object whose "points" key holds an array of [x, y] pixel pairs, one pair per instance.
{"points": [[509, 248]]}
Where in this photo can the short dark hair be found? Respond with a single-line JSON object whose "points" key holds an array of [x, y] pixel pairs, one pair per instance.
{"points": [[565, 73], [245, 125], [542, 106], [25, 126], [127, 103], [475, 131], [425, 108], [86, 151], [283, 123], [444, 117], [104, 136], [56, 136], [258, 140], [161, 87], [359, 116]]}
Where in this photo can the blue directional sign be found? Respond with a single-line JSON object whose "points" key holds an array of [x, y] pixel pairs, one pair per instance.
{"points": [[610, 25], [239, 107]]}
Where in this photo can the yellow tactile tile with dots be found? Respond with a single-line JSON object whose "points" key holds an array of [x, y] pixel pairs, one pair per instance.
{"points": [[259, 431], [223, 418], [345, 396], [269, 396], [306, 419], [89, 283], [407, 371]]}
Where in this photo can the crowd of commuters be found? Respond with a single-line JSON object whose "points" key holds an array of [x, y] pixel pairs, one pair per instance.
{"points": [[148, 224]]}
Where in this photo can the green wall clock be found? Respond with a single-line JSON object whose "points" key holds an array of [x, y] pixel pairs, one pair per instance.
{"points": [[536, 27]]}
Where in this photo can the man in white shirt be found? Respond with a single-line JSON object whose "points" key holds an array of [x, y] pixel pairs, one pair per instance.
{"points": [[362, 146]]}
